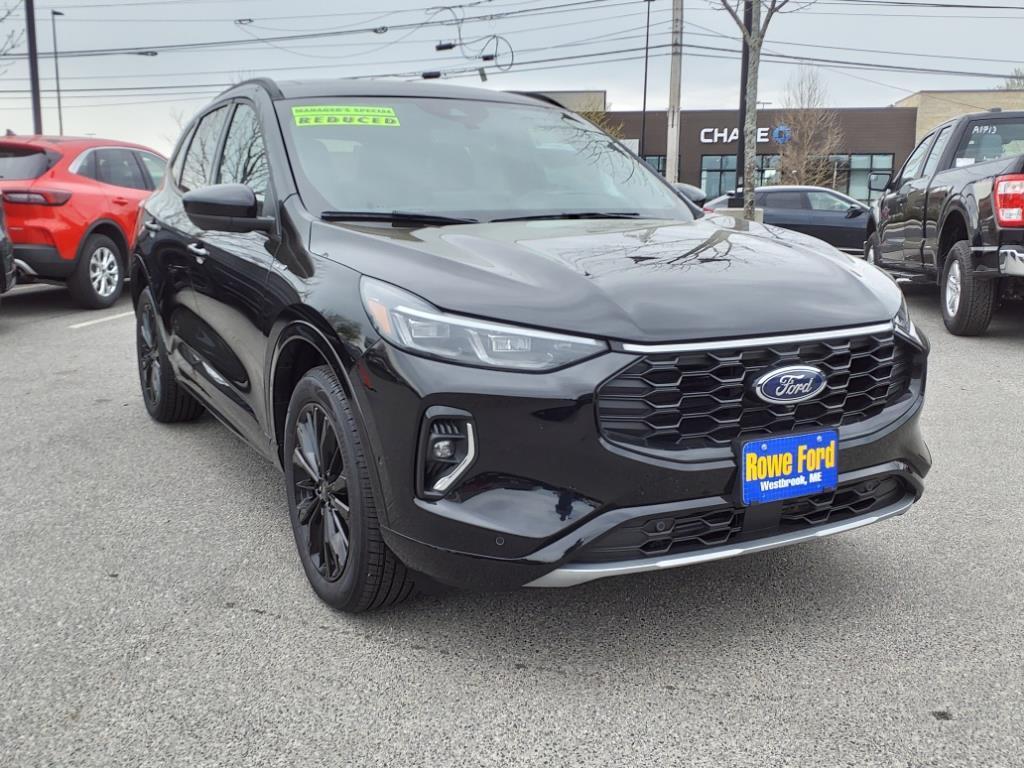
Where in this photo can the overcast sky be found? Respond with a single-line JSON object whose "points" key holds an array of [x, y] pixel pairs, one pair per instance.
{"points": [[847, 30]]}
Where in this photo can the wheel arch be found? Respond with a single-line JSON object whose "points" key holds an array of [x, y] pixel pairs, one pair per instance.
{"points": [[299, 343], [111, 229], [954, 229]]}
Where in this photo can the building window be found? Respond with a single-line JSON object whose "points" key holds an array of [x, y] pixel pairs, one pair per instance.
{"points": [[852, 173], [657, 162], [718, 173]]}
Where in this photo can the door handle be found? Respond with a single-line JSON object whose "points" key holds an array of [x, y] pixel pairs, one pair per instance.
{"points": [[198, 252], [122, 200], [152, 226]]}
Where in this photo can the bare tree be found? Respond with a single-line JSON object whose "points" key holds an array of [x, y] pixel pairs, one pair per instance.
{"points": [[1014, 82], [763, 12], [815, 132], [603, 120], [11, 38]]}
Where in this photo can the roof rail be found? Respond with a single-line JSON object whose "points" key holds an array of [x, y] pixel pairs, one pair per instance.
{"points": [[263, 82], [540, 97]]}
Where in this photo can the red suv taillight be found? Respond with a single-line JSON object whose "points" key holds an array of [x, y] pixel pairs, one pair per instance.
{"points": [[1009, 201], [36, 197]]}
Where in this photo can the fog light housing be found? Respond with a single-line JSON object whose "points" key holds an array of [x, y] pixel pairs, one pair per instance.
{"points": [[447, 449]]}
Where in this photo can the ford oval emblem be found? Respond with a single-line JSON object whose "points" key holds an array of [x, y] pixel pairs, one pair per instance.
{"points": [[793, 384]]}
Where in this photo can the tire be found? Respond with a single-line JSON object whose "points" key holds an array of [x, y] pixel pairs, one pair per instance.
{"points": [[873, 249], [165, 400], [967, 302], [98, 278], [331, 502]]}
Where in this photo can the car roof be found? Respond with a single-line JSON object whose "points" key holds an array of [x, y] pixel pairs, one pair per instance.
{"points": [[72, 144], [341, 87]]}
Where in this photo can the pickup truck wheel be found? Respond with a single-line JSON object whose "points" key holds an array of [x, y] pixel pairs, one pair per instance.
{"points": [[967, 302], [872, 249], [165, 400], [332, 504]]}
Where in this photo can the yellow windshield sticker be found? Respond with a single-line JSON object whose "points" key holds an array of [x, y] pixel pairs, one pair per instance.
{"points": [[344, 115]]}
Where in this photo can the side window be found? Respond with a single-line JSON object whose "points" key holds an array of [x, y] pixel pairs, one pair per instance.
{"points": [[198, 169], [937, 151], [119, 168], [178, 160], [155, 166], [911, 168], [823, 201], [86, 165], [245, 155], [786, 201]]}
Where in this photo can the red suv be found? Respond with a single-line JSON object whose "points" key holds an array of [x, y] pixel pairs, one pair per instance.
{"points": [[72, 206]]}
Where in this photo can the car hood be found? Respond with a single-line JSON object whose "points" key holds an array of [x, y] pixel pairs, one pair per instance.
{"points": [[636, 280]]}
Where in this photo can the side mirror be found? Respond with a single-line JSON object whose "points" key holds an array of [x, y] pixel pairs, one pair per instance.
{"points": [[225, 208], [854, 211], [879, 182], [695, 195]]}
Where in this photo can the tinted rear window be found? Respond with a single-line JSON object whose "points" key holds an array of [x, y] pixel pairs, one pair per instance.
{"points": [[991, 139], [23, 162]]}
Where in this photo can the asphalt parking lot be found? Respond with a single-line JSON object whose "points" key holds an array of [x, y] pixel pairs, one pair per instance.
{"points": [[153, 610]]}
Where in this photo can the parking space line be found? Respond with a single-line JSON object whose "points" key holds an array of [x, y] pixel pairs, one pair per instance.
{"points": [[102, 320]]}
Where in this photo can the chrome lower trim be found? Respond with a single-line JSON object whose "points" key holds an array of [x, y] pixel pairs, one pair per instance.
{"points": [[24, 268], [570, 575], [794, 338], [1011, 262]]}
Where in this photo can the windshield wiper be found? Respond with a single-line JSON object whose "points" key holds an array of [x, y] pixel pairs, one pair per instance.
{"points": [[575, 215], [394, 217]]}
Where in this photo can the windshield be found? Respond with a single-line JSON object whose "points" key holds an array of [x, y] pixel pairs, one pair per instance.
{"points": [[18, 162], [465, 159]]}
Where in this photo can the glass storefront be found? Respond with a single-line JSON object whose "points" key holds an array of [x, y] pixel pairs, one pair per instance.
{"points": [[850, 173], [718, 173]]}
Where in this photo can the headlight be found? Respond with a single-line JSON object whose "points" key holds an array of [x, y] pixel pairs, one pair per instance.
{"points": [[410, 323], [903, 323]]}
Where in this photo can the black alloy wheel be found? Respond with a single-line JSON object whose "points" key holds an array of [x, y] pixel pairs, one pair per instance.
{"points": [[321, 492], [149, 356], [332, 504], [165, 399]]}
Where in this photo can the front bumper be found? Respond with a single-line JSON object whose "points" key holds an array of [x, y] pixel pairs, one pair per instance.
{"points": [[546, 488]]}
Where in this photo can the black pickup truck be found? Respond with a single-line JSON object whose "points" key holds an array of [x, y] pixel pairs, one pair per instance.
{"points": [[954, 214]]}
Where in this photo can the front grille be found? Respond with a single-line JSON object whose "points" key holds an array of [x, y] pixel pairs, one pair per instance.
{"points": [[847, 501], [705, 399], [665, 535], [694, 531]]}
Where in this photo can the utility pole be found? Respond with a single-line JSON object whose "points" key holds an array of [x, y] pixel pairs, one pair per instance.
{"points": [[33, 66], [741, 149], [643, 116], [674, 87], [56, 68]]}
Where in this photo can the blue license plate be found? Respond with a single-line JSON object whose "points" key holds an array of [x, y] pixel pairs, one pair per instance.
{"points": [[778, 468]]}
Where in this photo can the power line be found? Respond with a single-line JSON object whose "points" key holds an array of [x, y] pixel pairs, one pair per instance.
{"points": [[566, 7]]}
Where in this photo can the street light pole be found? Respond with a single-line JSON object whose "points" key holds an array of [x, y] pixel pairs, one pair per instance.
{"points": [[56, 68], [33, 66], [647, 50]]}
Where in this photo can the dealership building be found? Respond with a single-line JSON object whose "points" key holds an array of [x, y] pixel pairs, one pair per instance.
{"points": [[873, 139]]}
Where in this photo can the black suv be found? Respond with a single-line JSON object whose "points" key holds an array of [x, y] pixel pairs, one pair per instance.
{"points": [[489, 346]]}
